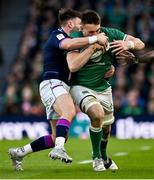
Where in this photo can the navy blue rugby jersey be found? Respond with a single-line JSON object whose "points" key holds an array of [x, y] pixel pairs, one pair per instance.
{"points": [[55, 63]]}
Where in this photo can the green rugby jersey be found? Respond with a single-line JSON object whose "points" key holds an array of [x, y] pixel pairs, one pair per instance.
{"points": [[92, 73]]}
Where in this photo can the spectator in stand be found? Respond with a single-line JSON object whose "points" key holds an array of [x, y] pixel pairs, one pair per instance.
{"points": [[150, 106], [1, 57], [137, 19], [133, 104]]}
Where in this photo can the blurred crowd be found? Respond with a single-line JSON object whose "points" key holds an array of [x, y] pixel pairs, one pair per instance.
{"points": [[133, 86]]}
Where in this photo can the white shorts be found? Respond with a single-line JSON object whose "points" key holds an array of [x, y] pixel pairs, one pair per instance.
{"points": [[49, 91], [85, 98]]}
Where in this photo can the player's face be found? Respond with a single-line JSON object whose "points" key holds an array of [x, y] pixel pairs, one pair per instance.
{"points": [[76, 24], [90, 29]]}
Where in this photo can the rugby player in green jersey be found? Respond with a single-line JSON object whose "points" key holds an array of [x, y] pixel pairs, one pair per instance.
{"points": [[91, 92]]}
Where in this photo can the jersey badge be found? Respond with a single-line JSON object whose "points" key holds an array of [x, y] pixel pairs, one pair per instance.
{"points": [[60, 36]]}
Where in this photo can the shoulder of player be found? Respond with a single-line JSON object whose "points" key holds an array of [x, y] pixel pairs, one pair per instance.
{"points": [[58, 34], [76, 34], [107, 29], [113, 33]]}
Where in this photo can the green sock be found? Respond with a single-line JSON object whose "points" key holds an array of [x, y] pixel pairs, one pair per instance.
{"points": [[95, 136], [104, 149]]}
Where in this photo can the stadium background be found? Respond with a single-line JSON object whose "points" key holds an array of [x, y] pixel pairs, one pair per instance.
{"points": [[26, 25]]}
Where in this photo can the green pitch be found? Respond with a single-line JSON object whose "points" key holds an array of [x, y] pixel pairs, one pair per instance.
{"points": [[135, 159]]}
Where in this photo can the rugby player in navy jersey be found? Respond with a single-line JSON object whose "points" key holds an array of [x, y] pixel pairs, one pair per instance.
{"points": [[54, 89]]}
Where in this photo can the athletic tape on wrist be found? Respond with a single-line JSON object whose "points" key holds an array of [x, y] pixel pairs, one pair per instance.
{"points": [[92, 39], [131, 45]]}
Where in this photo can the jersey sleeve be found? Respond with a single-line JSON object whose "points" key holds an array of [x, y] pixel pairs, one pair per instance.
{"points": [[76, 35], [119, 35], [57, 38]]}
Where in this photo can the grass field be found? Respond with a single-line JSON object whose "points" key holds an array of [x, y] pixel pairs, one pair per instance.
{"points": [[135, 159]]}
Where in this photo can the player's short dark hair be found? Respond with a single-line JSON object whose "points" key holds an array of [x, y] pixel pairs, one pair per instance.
{"points": [[90, 17], [67, 14]]}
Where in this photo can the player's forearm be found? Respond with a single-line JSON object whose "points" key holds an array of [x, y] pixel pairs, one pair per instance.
{"points": [[76, 43], [145, 58], [138, 44], [70, 44], [79, 60], [134, 43]]}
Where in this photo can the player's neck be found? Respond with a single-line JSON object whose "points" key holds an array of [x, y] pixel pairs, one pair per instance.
{"points": [[67, 30]]}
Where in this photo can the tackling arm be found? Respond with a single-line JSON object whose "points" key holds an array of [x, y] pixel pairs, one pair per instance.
{"points": [[76, 60], [129, 58], [75, 43], [146, 57]]}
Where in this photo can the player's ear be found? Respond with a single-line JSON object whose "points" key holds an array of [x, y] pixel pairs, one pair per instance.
{"points": [[70, 24]]}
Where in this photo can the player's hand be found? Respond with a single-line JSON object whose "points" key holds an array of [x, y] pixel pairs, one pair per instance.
{"points": [[102, 39], [119, 46], [110, 72], [99, 47], [125, 58]]}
